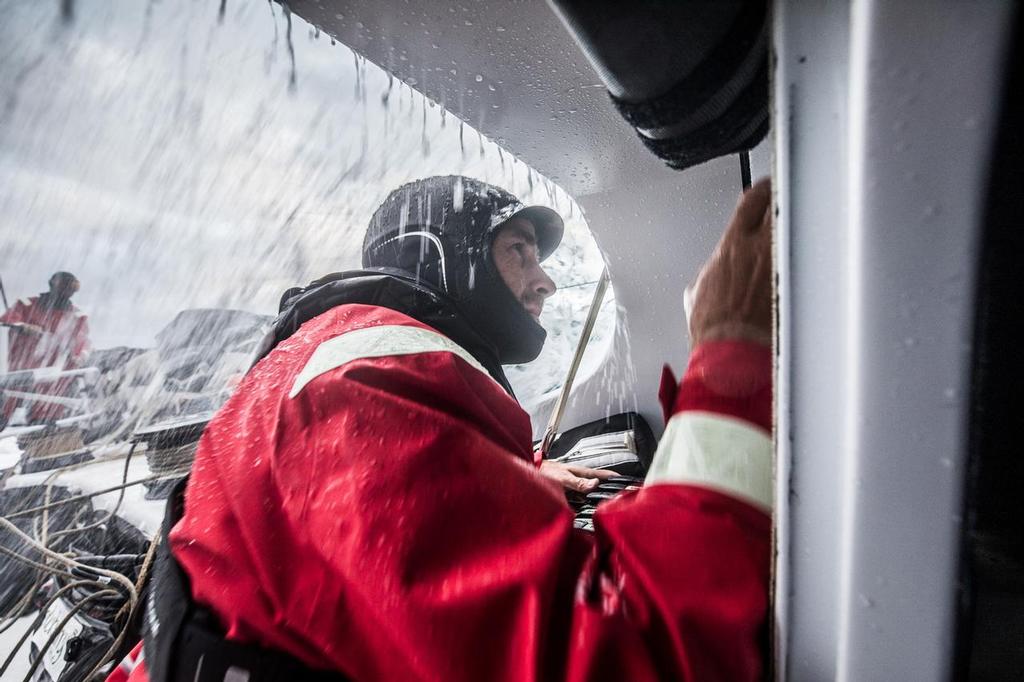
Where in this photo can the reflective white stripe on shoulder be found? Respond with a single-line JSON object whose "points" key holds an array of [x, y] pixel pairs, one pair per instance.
{"points": [[377, 342], [716, 451]]}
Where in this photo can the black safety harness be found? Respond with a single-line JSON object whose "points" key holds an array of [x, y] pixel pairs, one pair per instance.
{"points": [[185, 642]]}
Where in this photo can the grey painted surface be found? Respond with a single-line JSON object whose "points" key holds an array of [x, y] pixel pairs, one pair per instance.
{"points": [[810, 89], [885, 116], [536, 94], [922, 113]]}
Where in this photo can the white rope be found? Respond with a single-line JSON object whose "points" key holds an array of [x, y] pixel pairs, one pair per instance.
{"points": [[60, 558]]}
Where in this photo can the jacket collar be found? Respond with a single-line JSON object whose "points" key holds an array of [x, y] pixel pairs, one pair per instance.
{"points": [[388, 288]]}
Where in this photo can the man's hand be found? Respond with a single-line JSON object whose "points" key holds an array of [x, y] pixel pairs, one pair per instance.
{"points": [[576, 479], [733, 293]]}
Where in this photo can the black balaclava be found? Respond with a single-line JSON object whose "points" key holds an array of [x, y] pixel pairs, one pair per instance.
{"points": [[63, 286], [440, 230]]}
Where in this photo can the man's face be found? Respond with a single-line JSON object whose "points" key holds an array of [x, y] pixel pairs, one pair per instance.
{"points": [[515, 256]]}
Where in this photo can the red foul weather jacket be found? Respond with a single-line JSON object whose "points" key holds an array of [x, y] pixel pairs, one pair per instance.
{"points": [[368, 502], [65, 338], [64, 342]]}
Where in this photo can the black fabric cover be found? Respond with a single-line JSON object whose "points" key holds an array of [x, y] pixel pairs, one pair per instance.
{"points": [[389, 288], [691, 78]]}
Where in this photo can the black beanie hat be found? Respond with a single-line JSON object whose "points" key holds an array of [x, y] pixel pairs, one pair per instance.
{"points": [[440, 230]]}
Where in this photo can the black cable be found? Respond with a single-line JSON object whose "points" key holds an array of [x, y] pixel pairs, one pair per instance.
{"points": [[107, 590], [21, 608], [34, 564], [36, 622], [745, 169], [120, 497], [75, 609], [115, 576], [147, 564]]}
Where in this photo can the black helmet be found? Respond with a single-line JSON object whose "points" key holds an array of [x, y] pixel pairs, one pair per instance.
{"points": [[440, 230]]}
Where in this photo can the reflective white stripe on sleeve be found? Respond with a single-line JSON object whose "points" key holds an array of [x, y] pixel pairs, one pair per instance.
{"points": [[377, 342], [130, 662], [716, 451]]}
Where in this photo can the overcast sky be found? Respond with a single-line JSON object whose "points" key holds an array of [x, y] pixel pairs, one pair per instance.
{"points": [[169, 159]]}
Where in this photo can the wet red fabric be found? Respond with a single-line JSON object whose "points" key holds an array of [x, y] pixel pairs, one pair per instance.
{"points": [[65, 342], [132, 667], [729, 377], [388, 522]]}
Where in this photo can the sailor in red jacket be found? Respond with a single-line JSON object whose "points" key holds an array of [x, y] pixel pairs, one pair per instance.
{"points": [[366, 506], [47, 331]]}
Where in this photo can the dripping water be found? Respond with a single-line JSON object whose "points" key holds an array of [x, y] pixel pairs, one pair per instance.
{"points": [[292, 78], [424, 140], [357, 92], [384, 98], [271, 56]]}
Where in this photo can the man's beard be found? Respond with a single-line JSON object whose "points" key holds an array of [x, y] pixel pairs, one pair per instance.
{"points": [[503, 320]]}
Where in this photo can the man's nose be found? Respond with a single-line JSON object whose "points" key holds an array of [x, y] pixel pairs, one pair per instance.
{"points": [[542, 285]]}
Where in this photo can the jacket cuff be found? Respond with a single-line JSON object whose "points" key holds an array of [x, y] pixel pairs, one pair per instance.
{"points": [[716, 452], [719, 434], [730, 378]]}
